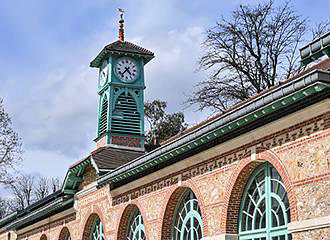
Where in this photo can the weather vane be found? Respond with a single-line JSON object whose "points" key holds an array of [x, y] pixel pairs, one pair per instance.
{"points": [[121, 12], [121, 24]]}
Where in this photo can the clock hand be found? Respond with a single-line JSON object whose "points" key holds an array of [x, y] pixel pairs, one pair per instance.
{"points": [[122, 74], [127, 69]]}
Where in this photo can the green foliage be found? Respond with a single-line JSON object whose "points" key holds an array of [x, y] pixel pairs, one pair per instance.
{"points": [[162, 125]]}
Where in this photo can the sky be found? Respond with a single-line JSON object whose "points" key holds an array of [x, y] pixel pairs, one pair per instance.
{"points": [[49, 89]]}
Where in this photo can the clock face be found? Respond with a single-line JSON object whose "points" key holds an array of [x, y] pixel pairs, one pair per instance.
{"points": [[126, 69], [103, 72]]}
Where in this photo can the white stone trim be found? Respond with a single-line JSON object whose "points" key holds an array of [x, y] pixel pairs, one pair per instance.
{"points": [[94, 165], [224, 236], [86, 190], [253, 153], [180, 180], [304, 225]]}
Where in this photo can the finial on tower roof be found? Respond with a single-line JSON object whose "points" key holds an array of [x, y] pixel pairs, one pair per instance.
{"points": [[121, 24]]}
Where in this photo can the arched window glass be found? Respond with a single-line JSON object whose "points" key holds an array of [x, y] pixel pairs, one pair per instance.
{"points": [[97, 230], [188, 222], [135, 229], [264, 211]]}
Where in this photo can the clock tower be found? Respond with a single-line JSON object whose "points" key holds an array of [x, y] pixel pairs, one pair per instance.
{"points": [[120, 89]]}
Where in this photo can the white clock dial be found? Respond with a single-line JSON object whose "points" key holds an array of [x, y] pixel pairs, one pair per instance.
{"points": [[126, 69], [103, 72]]}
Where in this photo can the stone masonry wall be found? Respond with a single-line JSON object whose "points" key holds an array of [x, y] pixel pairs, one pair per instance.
{"points": [[319, 234], [300, 153]]}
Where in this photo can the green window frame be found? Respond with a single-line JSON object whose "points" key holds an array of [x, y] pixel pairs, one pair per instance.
{"points": [[188, 223], [136, 229], [68, 236], [264, 210], [97, 232]]}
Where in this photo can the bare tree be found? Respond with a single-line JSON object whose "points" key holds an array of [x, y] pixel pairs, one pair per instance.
{"points": [[45, 186], [4, 207], [10, 146], [42, 188], [22, 192], [27, 189], [55, 184], [254, 49], [320, 29]]}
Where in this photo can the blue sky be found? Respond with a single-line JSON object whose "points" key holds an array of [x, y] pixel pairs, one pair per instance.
{"points": [[46, 47]]}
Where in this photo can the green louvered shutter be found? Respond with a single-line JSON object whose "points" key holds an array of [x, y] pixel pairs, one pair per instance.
{"points": [[125, 117], [103, 117]]}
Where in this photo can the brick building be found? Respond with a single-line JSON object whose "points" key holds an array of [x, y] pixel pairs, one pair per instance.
{"points": [[259, 171]]}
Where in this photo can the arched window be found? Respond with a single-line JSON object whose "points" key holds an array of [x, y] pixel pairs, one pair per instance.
{"points": [[188, 222], [65, 234], [43, 237], [103, 121], [135, 229], [264, 211], [97, 230]]}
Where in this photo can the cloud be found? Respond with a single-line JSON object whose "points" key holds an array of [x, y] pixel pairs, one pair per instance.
{"points": [[49, 89], [54, 106]]}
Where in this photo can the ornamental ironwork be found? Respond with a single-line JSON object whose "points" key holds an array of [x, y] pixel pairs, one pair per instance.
{"points": [[97, 230], [265, 210], [135, 229], [188, 224]]}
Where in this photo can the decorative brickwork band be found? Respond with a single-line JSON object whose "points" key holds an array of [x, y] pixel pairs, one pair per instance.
{"points": [[126, 141], [314, 125]]}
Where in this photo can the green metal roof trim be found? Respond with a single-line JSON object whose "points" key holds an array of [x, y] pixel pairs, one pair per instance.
{"points": [[39, 209], [7, 219], [316, 49], [74, 176], [278, 98], [57, 205], [41, 202]]}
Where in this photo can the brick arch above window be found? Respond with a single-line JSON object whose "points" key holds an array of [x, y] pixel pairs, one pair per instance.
{"points": [[238, 180], [43, 237], [125, 220], [89, 224], [169, 211], [64, 234]]}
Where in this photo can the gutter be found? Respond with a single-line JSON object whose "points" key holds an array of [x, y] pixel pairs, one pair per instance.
{"points": [[6, 220], [280, 97], [52, 207]]}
